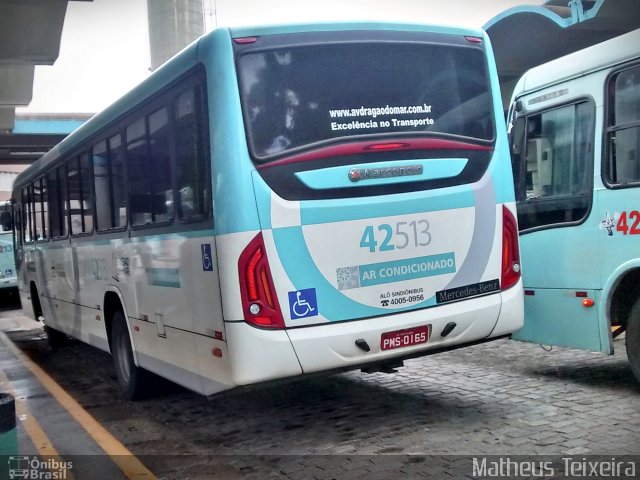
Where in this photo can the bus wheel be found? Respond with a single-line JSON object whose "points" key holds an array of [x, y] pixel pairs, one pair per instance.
{"points": [[55, 338], [35, 303], [633, 339], [132, 379]]}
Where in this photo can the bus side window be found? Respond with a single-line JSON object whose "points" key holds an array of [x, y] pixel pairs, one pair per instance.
{"points": [[57, 218], [63, 202], [137, 160], [80, 183], [554, 170], [26, 215], [86, 172], [192, 155], [17, 226], [40, 204], [149, 169], [160, 151], [108, 177], [117, 182], [100, 159], [517, 150], [623, 133], [75, 196]]}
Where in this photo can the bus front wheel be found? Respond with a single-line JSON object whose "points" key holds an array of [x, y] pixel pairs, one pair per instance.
{"points": [[633, 339], [133, 380]]}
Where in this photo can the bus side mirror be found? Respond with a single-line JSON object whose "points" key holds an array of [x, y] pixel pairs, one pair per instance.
{"points": [[6, 221]]}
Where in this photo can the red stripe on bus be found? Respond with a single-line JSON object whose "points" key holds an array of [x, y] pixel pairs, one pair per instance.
{"points": [[366, 147]]}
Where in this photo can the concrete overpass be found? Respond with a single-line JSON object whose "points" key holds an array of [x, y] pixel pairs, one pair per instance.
{"points": [[30, 35], [30, 32], [33, 135]]}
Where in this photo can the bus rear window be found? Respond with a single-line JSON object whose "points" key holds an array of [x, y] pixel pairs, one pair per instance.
{"points": [[299, 96]]}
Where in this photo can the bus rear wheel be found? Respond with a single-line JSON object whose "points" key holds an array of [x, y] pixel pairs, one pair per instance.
{"points": [[633, 339], [133, 380]]}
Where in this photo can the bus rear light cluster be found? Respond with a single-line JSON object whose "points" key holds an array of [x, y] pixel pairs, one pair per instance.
{"points": [[510, 250], [259, 300]]}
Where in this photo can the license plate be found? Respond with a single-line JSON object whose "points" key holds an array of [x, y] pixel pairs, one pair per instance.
{"points": [[405, 338]]}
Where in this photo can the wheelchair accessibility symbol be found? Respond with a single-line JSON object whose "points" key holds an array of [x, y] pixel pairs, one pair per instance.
{"points": [[207, 259], [303, 304]]}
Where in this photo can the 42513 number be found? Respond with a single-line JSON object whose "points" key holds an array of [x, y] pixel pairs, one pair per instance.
{"points": [[386, 237]]}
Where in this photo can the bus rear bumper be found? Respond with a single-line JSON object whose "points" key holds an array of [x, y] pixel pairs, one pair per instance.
{"points": [[512, 312], [336, 346], [258, 355]]}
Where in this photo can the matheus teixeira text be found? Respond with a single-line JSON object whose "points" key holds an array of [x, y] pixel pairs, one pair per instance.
{"points": [[570, 467]]}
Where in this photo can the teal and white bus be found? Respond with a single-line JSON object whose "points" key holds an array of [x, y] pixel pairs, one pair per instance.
{"points": [[8, 277], [575, 136], [278, 201]]}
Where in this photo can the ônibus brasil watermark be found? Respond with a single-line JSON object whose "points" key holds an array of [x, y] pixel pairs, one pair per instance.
{"points": [[36, 468]]}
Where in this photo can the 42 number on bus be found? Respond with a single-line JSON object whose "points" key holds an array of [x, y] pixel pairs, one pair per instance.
{"points": [[633, 219]]}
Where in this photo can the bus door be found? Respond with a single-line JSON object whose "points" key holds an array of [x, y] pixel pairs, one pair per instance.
{"points": [[553, 151], [7, 263]]}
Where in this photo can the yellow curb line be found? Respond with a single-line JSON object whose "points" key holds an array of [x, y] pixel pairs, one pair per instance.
{"points": [[40, 440], [121, 456]]}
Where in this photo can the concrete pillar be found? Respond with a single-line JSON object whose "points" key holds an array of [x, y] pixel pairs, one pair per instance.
{"points": [[173, 24], [7, 119], [16, 84]]}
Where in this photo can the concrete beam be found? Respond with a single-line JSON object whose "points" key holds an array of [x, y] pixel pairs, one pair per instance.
{"points": [[25, 149], [30, 31]]}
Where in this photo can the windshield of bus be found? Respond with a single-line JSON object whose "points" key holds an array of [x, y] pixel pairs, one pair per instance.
{"points": [[304, 95]]}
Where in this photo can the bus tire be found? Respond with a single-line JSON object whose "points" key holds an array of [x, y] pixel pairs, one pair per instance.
{"points": [[633, 339], [133, 380], [35, 303], [55, 338]]}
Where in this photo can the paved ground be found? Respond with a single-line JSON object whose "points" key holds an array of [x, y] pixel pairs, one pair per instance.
{"points": [[502, 398]]}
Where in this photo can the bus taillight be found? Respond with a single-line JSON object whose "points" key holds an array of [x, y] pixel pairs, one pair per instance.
{"points": [[510, 250], [259, 300]]}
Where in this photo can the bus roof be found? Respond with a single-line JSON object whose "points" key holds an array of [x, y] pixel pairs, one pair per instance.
{"points": [[598, 57], [254, 31]]}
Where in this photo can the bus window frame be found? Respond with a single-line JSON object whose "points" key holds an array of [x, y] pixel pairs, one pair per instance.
{"points": [[166, 98], [156, 104], [62, 214], [608, 129], [40, 181], [519, 186], [190, 84], [106, 138], [77, 157], [26, 229]]}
